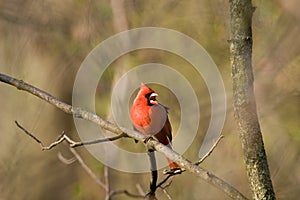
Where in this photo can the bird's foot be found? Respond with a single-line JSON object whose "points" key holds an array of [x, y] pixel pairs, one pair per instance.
{"points": [[173, 171], [147, 139]]}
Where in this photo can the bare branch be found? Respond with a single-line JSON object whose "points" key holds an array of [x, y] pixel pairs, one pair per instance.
{"points": [[166, 186], [107, 184], [80, 113], [77, 144], [198, 171], [31, 135], [87, 169], [209, 152], [167, 194], [165, 180], [63, 137]]}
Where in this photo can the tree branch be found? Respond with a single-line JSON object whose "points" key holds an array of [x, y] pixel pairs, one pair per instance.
{"points": [[198, 171], [64, 137], [209, 152], [107, 183], [78, 112], [87, 169], [167, 194], [160, 184]]}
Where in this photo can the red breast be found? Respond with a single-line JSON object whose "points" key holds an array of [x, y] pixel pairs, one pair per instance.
{"points": [[147, 115], [151, 118]]}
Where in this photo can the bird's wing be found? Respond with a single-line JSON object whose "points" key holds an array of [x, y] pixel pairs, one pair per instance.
{"points": [[158, 117], [165, 135]]}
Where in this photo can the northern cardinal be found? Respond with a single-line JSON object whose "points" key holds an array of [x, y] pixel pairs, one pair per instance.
{"points": [[151, 119]]}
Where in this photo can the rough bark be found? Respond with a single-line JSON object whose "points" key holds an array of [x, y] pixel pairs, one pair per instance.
{"points": [[244, 101]]}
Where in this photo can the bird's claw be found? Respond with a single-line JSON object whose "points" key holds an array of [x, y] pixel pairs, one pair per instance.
{"points": [[147, 139], [173, 171]]}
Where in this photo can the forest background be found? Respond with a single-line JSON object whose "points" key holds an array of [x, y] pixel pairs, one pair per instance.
{"points": [[44, 43]]}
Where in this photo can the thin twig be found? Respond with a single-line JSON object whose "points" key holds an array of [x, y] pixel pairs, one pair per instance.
{"points": [[87, 169], [28, 133], [63, 137], [77, 144], [166, 186], [209, 152], [167, 194], [195, 169], [107, 184], [160, 184], [164, 180]]}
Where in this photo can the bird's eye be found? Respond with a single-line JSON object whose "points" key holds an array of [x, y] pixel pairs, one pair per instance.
{"points": [[152, 98]]}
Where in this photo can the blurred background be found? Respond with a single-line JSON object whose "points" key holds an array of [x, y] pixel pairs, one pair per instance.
{"points": [[44, 43]]}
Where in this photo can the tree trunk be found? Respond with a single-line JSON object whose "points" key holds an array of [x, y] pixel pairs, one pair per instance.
{"points": [[244, 101]]}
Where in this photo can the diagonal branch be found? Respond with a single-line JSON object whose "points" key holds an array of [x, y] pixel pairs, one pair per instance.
{"points": [[160, 184], [198, 171], [30, 134], [87, 169], [79, 112]]}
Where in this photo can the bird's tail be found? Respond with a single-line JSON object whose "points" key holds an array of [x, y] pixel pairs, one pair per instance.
{"points": [[172, 165]]}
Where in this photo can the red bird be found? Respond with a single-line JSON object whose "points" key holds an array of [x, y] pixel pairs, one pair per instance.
{"points": [[151, 119]]}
